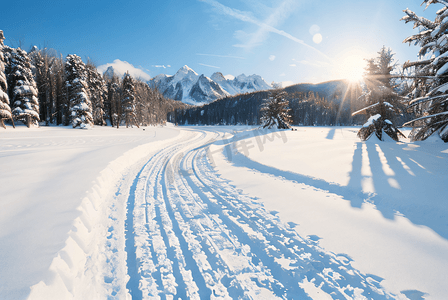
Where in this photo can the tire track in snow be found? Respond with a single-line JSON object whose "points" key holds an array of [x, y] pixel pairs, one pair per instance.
{"points": [[197, 237], [130, 248]]}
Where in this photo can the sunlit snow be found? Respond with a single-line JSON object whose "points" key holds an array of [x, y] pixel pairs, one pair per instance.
{"points": [[229, 212]]}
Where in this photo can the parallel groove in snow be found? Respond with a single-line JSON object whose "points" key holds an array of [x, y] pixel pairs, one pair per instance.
{"points": [[197, 237]]}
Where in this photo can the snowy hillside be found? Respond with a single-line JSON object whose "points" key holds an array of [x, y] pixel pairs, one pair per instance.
{"points": [[216, 212], [334, 90], [189, 87]]}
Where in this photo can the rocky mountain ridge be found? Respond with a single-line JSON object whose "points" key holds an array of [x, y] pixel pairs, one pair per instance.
{"points": [[191, 88]]}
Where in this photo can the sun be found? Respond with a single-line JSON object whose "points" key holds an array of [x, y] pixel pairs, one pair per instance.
{"points": [[354, 74], [351, 65]]}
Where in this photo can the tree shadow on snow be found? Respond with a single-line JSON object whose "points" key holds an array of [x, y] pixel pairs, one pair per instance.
{"points": [[402, 180], [398, 178], [330, 134]]}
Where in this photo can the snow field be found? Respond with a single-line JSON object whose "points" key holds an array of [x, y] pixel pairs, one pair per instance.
{"points": [[85, 268], [198, 237], [54, 208], [221, 213], [383, 204]]}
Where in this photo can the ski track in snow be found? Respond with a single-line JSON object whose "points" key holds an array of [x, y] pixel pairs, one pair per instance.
{"points": [[192, 235]]}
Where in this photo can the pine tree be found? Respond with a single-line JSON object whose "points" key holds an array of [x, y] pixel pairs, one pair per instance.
{"points": [[98, 93], [22, 89], [48, 67], [78, 92], [275, 111], [128, 100], [113, 98], [429, 96], [380, 97], [5, 110]]}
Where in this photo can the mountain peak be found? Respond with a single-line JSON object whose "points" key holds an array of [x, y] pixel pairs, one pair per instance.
{"points": [[109, 73], [186, 69], [241, 77], [218, 77], [189, 87]]}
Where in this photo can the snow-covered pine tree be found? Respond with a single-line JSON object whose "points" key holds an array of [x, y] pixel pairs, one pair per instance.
{"points": [[380, 97], [22, 89], [128, 100], [78, 92], [98, 93], [275, 111], [5, 110], [429, 96]]}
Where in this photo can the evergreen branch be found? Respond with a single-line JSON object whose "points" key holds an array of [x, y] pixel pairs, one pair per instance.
{"points": [[426, 117], [419, 100], [418, 21], [409, 64], [364, 110], [429, 2]]}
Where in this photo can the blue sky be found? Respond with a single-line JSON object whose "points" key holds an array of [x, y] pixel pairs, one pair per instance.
{"points": [[296, 41]]}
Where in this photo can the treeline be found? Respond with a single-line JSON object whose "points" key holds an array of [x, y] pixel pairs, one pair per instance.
{"points": [[40, 87], [232, 110], [307, 108]]}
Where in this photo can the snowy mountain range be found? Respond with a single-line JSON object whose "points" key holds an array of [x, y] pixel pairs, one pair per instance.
{"points": [[189, 87]]}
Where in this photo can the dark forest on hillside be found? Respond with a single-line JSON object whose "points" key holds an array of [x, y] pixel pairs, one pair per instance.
{"points": [[330, 103]]}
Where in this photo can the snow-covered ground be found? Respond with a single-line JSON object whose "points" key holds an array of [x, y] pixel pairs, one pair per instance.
{"points": [[221, 212], [45, 175]]}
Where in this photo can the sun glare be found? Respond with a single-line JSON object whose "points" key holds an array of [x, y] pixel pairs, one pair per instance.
{"points": [[351, 65], [354, 74]]}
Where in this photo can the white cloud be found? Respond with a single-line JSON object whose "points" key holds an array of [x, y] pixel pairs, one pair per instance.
{"points": [[121, 67], [162, 66], [271, 57], [293, 65], [218, 55], [210, 66]]}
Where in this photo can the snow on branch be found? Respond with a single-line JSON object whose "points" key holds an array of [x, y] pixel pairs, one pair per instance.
{"points": [[364, 110], [417, 101], [441, 88], [426, 117], [429, 2], [418, 21], [442, 70]]}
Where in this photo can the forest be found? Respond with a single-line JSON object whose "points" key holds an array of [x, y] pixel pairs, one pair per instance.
{"points": [[40, 87], [326, 104]]}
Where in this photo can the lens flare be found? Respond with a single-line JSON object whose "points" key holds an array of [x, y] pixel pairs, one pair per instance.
{"points": [[317, 38]]}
